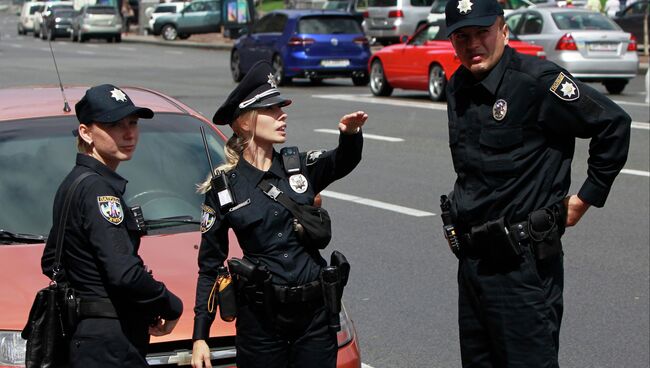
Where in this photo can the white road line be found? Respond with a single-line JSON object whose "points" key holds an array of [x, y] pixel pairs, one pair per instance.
{"points": [[385, 101], [365, 135], [635, 172], [92, 46], [377, 204], [639, 125], [84, 52], [364, 365], [631, 103]]}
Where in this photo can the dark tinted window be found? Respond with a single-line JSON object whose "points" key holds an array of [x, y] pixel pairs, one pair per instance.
{"points": [[101, 10], [589, 21], [438, 6], [35, 8], [382, 3], [271, 23], [39, 153], [165, 9], [421, 2], [329, 25], [64, 13]]}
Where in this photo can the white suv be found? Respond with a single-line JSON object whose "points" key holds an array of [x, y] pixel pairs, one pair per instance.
{"points": [[160, 9], [27, 15], [388, 20]]}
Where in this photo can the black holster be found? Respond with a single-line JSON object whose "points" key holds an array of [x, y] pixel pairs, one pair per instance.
{"points": [[334, 278], [545, 228]]}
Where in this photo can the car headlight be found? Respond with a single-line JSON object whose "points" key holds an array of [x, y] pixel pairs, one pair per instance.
{"points": [[57, 20], [12, 349], [347, 328]]}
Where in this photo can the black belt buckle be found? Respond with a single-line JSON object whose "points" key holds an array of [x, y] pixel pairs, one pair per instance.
{"points": [[293, 294]]}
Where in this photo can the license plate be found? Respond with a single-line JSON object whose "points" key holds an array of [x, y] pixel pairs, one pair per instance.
{"points": [[335, 63], [603, 46]]}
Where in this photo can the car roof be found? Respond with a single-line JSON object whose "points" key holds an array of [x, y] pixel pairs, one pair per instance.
{"points": [[556, 10], [43, 101], [298, 13]]}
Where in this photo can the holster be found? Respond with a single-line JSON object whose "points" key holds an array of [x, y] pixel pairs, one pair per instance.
{"points": [[333, 280], [545, 228]]}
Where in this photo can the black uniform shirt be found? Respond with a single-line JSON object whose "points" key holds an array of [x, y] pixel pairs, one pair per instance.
{"points": [[100, 249], [263, 226], [513, 166]]}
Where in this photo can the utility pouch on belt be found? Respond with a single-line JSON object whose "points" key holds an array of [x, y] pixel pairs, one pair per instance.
{"points": [[258, 279], [545, 227], [495, 240], [226, 295]]}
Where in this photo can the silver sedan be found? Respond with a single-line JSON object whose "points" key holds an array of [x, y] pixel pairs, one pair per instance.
{"points": [[588, 44]]}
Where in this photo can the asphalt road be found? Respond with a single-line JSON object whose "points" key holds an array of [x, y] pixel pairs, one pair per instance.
{"points": [[402, 294]]}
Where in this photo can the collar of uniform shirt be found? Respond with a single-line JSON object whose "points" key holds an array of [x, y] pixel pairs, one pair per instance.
{"points": [[493, 79], [255, 175], [113, 178]]}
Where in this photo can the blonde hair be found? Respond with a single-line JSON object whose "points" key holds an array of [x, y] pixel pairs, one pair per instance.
{"points": [[233, 149]]}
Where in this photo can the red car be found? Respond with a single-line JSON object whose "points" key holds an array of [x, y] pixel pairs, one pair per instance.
{"points": [[425, 62], [37, 150]]}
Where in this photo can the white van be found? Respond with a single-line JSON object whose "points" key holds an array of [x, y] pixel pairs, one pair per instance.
{"points": [[27, 14], [387, 20]]}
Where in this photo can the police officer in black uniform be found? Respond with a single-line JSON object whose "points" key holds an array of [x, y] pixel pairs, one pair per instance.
{"points": [[513, 120], [286, 324], [121, 304]]}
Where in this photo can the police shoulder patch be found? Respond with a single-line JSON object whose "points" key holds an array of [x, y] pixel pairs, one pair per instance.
{"points": [[208, 218], [564, 88], [312, 156], [111, 209]]}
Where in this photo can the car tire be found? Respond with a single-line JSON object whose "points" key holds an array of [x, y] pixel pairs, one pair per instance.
{"points": [[184, 36], [278, 65], [361, 81], [378, 83], [315, 81], [169, 32], [118, 38], [615, 86], [235, 66], [437, 83]]}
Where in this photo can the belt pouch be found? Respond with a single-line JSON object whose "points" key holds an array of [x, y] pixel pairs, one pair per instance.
{"points": [[227, 299], [545, 233]]}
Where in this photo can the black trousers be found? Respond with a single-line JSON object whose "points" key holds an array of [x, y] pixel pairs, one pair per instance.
{"points": [[510, 316], [104, 342], [299, 336]]}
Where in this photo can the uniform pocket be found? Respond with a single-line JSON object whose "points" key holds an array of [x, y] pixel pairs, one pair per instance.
{"points": [[245, 217], [499, 150]]}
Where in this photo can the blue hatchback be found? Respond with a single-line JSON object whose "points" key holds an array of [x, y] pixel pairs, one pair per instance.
{"points": [[312, 44]]}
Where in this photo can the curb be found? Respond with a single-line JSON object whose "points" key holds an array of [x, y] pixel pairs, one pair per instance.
{"points": [[153, 41]]}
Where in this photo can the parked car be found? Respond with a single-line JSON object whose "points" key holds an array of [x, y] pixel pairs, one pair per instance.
{"points": [[387, 20], [197, 17], [437, 11], [97, 21], [59, 23], [162, 9], [588, 44], [314, 44], [27, 15], [354, 7], [38, 149], [425, 62], [630, 19], [40, 17]]}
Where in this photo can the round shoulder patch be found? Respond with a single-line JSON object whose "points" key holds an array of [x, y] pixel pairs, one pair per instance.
{"points": [[208, 217], [111, 209]]}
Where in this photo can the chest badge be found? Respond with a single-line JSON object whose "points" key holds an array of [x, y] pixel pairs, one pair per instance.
{"points": [[298, 183], [499, 110], [111, 209], [208, 218], [565, 88]]}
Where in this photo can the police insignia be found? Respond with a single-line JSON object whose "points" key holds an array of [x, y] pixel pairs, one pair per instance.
{"points": [[208, 218], [499, 110], [465, 7], [565, 88], [312, 156], [298, 183], [111, 209]]}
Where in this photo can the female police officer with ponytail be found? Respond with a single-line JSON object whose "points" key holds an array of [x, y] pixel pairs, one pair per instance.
{"points": [[272, 330]]}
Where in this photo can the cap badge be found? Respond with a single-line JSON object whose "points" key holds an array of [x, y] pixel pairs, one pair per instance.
{"points": [[271, 80], [111, 209], [208, 218], [118, 95], [499, 109], [565, 88], [465, 7], [298, 183]]}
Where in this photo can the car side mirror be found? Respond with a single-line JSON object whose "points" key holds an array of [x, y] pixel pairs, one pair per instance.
{"points": [[404, 39]]}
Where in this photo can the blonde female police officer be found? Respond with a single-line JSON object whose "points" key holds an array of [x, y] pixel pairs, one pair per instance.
{"points": [[297, 333], [121, 303]]}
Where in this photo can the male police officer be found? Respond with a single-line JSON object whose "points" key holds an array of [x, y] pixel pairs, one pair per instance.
{"points": [[513, 120], [121, 303]]}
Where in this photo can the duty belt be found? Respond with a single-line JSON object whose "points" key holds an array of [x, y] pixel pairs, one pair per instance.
{"points": [[518, 232], [298, 294], [96, 308]]}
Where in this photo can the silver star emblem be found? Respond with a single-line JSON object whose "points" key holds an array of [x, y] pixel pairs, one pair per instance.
{"points": [[464, 6], [118, 95], [271, 81], [568, 89]]}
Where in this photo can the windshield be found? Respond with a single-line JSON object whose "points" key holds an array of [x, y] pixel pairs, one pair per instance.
{"points": [[36, 154], [329, 25], [101, 10], [382, 3], [583, 20]]}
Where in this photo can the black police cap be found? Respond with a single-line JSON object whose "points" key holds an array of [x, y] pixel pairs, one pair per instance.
{"points": [[467, 13], [107, 104], [256, 90]]}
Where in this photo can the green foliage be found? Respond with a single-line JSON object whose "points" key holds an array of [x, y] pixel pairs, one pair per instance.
{"points": [[269, 5]]}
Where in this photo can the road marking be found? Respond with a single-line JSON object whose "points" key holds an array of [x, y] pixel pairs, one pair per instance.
{"points": [[84, 52], [635, 172], [364, 365], [365, 135], [639, 125], [92, 46], [127, 48], [377, 204], [632, 103], [15, 45], [385, 101]]}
